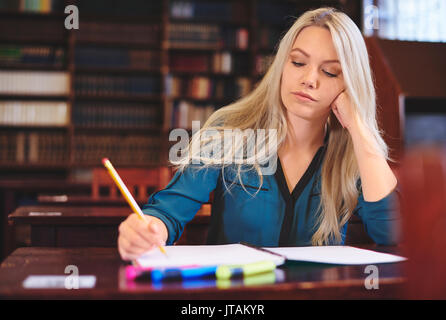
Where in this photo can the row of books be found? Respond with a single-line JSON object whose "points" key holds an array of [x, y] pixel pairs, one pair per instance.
{"points": [[33, 147], [57, 83], [120, 149], [45, 30], [120, 8], [225, 62], [262, 63], [219, 11], [34, 82], [116, 85], [207, 36], [34, 113], [215, 10], [222, 62], [117, 58], [41, 6], [184, 112], [210, 10], [219, 62], [108, 32], [207, 88], [189, 62], [113, 115], [8, 147], [233, 37], [13, 55]]}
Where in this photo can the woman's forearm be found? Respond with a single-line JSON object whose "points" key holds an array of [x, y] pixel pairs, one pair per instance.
{"points": [[377, 178]]}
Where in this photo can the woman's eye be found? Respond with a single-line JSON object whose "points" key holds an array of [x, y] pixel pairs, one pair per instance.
{"points": [[331, 75], [297, 64]]}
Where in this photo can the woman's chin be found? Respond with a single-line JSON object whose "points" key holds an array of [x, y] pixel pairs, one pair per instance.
{"points": [[307, 113]]}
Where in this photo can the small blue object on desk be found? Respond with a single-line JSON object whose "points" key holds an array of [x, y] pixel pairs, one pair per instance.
{"points": [[182, 273]]}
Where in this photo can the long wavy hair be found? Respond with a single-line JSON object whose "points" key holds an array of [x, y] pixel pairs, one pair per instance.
{"points": [[262, 108]]}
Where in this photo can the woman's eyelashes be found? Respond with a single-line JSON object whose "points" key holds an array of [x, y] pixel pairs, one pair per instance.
{"points": [[331, 75], [300, 64]]}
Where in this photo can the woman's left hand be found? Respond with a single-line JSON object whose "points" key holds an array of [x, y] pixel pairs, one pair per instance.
{"points": [[344, 110]]}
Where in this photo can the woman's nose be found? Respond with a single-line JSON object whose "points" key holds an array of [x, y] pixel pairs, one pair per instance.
{"points": [[310, 79]]}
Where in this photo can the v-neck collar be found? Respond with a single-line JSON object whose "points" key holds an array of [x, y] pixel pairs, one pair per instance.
{"points": [[306, 177], [291, 198]]}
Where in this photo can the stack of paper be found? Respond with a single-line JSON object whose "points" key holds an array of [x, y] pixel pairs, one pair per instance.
{"points": [[236, 254]]}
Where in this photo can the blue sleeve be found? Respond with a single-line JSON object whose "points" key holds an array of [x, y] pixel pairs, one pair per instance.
{"points": [[183, 196], [381, 218]]}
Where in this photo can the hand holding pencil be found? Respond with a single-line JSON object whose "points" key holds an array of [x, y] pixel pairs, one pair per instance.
{"points": [[138, 236], [138, 233]]}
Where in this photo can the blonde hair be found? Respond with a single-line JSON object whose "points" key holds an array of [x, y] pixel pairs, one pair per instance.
{"points": [[262, 108]]}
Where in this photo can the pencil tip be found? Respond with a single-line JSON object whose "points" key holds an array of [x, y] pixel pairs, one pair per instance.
{"points": [[163, 251]]}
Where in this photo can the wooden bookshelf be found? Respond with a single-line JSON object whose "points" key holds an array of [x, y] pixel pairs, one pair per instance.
{"points": [[120, 51]]}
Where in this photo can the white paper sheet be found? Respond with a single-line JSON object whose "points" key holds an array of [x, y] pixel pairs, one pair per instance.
{"points": [[231, 254], [336, 255], [234, 254]]}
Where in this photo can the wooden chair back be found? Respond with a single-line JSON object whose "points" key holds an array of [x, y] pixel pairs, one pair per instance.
{"points": [[141, 182]]}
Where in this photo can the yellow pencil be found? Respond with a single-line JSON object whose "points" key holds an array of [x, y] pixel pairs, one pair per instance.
{"points": [[125, 192]]}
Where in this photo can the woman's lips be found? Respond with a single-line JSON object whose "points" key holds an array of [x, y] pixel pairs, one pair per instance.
{"points": [[303, 97]]}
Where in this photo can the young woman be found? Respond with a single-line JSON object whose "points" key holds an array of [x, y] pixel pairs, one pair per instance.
{"points": [[318, 96]]}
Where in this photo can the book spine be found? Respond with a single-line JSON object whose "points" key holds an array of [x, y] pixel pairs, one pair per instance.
{"points": [[115, 115], [41, 83], [117, 85], [33, 113], [123, 150], [184, 112], [135, 33]]}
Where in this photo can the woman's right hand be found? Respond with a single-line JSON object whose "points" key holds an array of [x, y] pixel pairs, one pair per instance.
{"points": [[137, 235]]}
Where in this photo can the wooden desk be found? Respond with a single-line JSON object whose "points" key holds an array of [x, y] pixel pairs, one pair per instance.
{"points": [[300, 281], [86, 200], [88, 226], [12, 190], [75, 224]]}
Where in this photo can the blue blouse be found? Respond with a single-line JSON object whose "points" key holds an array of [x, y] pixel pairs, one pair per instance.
{"points": [[273, 217]]}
